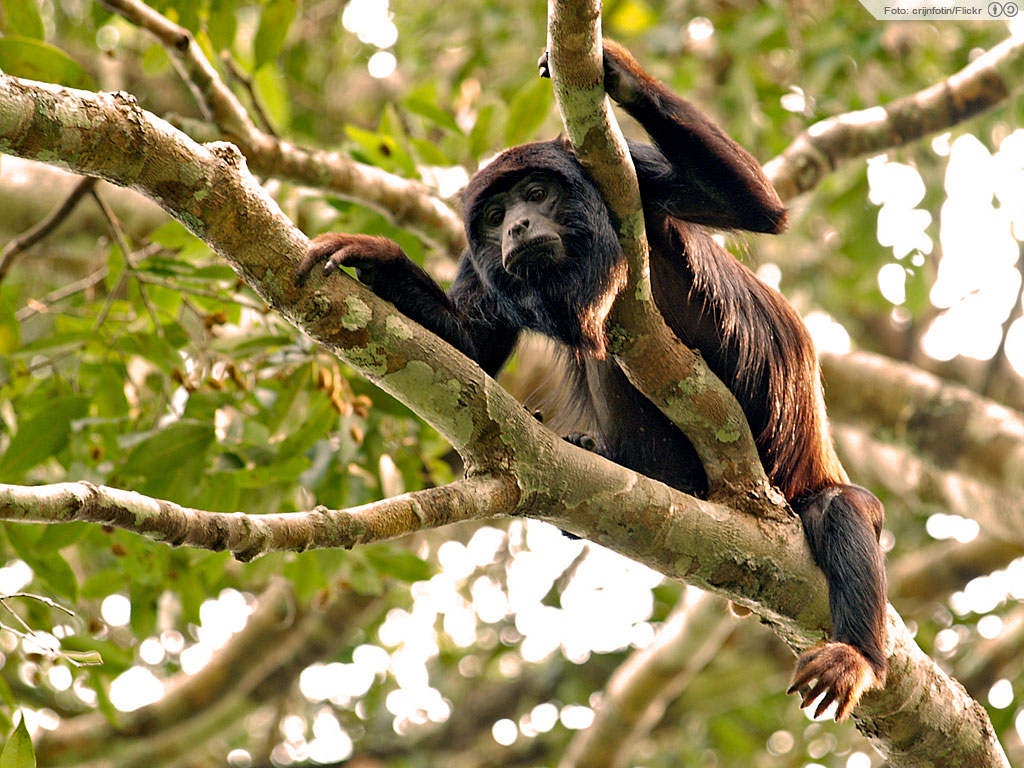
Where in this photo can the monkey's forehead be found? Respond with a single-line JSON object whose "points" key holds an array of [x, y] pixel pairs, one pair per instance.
{"points": [[512, 164]]}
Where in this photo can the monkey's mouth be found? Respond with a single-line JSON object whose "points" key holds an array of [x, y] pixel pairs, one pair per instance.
{"points": [[545, 250]]}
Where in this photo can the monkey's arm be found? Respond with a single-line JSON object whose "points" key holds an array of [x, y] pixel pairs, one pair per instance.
{"points": [[697, 173], [385, 269]]}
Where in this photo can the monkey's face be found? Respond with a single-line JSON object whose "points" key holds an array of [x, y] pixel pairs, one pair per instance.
{"points": [[524, 219]]}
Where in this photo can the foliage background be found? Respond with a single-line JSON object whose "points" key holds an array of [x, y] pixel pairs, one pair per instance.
{"points": [[165, 375]]}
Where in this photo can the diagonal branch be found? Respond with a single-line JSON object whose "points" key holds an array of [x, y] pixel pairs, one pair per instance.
{"points": [[986, 82], [30, 237], [279, 640]]}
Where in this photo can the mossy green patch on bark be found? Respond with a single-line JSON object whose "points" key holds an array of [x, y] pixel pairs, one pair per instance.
{"points": [[444, 396], [397, 327], [358, 315]]}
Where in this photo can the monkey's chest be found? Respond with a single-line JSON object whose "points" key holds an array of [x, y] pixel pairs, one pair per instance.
{"points": [[634, 433]]}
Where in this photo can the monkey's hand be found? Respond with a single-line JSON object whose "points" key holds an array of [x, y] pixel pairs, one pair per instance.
{"points": [[839, 671], [371, 257], [384, 268], [623, 75], [624, 79]]}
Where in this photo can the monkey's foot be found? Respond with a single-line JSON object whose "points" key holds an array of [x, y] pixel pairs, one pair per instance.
{"points": [[582, 440], [839, 671]]}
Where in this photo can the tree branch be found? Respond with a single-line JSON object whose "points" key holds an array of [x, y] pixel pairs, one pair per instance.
{"points": [[249, 536], [918, 482], [278, 641], [977, 442], [637, 694], [30, 237], [986, 82]]}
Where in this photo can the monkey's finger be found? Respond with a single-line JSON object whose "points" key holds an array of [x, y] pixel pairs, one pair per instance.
{"points": [[826, 700], [542, 65], [806, 670], [320, 249], [808, 697], [845, 706], [802, 677]]}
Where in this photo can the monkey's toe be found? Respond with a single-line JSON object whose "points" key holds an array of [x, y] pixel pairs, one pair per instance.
{"points": [[837, 670]]}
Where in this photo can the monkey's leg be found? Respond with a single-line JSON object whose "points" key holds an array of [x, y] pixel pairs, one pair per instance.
{"points": [[842, 524]]}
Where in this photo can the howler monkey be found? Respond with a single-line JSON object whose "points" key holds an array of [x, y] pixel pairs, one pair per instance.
{"points": [[543, 255]]}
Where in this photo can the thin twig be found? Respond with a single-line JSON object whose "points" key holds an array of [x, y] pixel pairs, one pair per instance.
{"points": [[236, 299], [41, 306], [30, 237], [257, 104], [126, 253]]}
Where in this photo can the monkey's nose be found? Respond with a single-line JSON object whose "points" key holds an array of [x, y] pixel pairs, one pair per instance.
{"points": [[519, 228]]}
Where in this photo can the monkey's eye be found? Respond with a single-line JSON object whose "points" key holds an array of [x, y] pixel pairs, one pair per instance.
{"points": [[536, 194], [494, 215]]}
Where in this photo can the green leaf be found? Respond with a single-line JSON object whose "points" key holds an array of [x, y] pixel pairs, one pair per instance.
{"points": [[380, 150], [221, 493], [272, 88], [274, 23], [7, 695], [83, 658], [108, 390], [102, 583], [35, 60], [633, 17], [480, 137], [41, 436], [316, 424], [222, 24], [429, 152], [10, 328], [527, 111], [60, 535], [432, 112], [186, 12], [18, 752], [169, 447], [53, 570], [100, 683], [23, 18], [400, 564]]}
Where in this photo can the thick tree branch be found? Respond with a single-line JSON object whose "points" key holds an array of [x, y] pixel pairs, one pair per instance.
{"points": [[918, 482], [669, 374], [407, 203], [986, 82], [935, 571]]}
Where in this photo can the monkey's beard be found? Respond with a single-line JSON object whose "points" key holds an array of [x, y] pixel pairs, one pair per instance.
{"points": [[535, 259]]}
